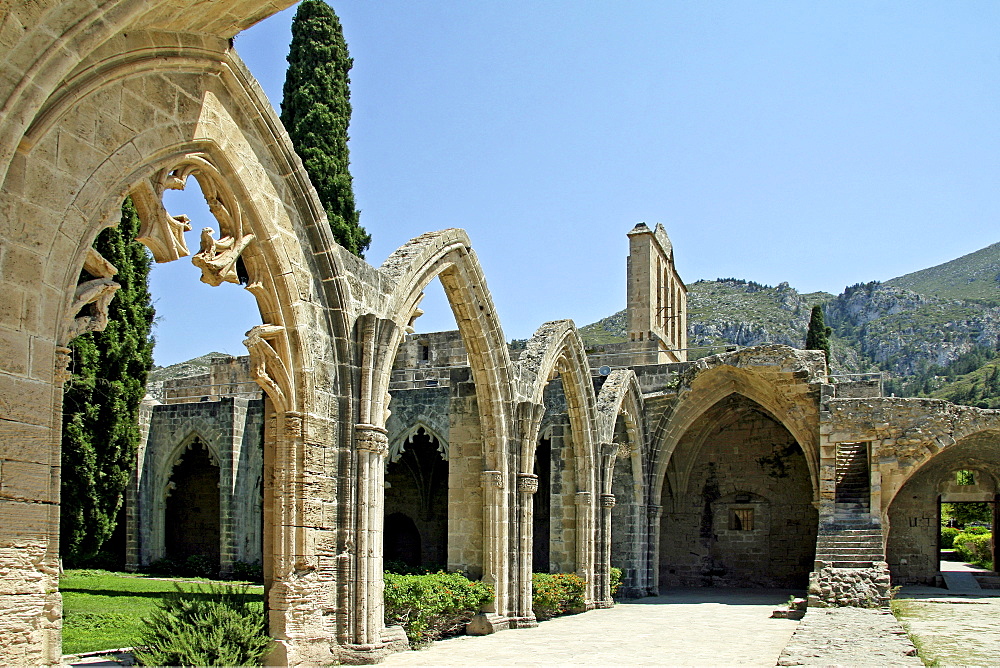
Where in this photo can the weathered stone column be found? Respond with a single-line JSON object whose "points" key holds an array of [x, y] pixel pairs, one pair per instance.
{"points": [[492, 619], [653, 513], [527, 486], [602, 590], [372, 447], [585, 543]]}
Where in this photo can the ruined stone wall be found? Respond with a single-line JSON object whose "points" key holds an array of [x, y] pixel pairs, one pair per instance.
{"points": [[701, 545], [232, 428]]}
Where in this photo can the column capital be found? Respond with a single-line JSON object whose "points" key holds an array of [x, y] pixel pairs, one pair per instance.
{"points": [[527, 483], [493, 479], [372, 439]]}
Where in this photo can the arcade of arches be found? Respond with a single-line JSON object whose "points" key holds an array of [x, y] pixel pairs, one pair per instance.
{"points": [[498, 461]]}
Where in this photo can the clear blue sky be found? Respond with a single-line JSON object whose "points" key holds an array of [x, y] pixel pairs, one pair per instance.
{"points": [[819, 143]]}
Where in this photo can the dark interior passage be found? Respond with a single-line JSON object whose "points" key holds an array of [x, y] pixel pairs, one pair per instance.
{"points": [[416, 503], [192, 509]]}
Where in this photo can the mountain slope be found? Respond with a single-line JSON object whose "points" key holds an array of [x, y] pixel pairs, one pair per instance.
{"points": [[972, 276]]}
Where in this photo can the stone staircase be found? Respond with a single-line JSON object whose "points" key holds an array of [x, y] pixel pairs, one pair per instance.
{"points": [[852, 541], [850, 547], [853, 498]]}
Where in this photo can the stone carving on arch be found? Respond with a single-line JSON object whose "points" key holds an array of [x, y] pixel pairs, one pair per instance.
{"points": [[108, 97], [782, 380], [397, 445]]}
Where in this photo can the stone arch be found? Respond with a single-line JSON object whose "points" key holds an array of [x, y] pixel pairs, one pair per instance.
{"points": [[556, 349], [408, 434], [622, 437], [377, 336], [740, 508], [193, 524], [65, 182], [417, 486], [910, 519], [786, 387]]}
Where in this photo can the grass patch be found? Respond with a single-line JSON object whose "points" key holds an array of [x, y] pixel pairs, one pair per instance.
{"points": [[104, 610]]}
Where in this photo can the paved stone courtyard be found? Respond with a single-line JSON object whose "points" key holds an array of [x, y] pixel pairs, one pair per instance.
{"points": [[694, 627]]}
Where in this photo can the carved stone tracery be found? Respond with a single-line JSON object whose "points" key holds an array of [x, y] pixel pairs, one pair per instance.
{"points": [[89, 310], [267, 366]]}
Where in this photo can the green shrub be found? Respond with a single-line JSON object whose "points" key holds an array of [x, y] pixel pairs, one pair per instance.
{"points": [[247, 572], [199, 566], [557, 594], [616, 580], [163, 567], [434, 605], [216, 626], [976, 530], [948, 537], [974, 548]]}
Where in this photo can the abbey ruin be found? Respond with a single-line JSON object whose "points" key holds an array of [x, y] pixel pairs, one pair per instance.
{"points": [[751, 466]]}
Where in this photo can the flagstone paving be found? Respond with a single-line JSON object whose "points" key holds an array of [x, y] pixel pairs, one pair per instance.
{"points": [[690, 627]]}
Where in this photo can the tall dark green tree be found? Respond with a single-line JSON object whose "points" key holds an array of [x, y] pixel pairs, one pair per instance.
{"points": [[101, 402], [818, 336], [316, 111]]}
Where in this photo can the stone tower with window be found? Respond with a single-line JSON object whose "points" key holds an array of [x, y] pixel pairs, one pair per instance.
{"points": [[657, 298]]}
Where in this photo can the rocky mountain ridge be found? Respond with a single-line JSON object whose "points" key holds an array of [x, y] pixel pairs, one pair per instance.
{"points": [[876, 326]]}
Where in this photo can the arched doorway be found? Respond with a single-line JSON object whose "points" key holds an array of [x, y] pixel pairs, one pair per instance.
{"points": [[738, 510], [967, 472], [191, 511]]}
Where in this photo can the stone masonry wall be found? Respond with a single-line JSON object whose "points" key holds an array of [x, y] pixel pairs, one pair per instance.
{"points": [[700, 545]]}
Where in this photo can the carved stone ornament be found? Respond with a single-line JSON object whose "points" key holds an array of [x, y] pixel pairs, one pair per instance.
{"points": [[493, 479], [160, 232], [653, 511], [89, 310], [217, 257], [63, 358], [583, 498], [373, 439], [607, 500], [266, 366], [527, 483], [624, 450]]}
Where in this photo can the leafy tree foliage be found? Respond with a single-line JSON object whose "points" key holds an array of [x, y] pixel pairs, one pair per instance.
{"points": [[101, 403], [818, 335], [316, 111]]}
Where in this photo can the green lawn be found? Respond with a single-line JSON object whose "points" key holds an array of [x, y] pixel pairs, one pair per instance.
{"points": [[104, 610]]}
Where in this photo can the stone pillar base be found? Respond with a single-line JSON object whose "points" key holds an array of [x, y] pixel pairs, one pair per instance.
{"points": [[523, 622], [486, 623], [604, 604]]}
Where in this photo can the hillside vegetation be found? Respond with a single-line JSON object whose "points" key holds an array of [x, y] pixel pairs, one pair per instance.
{"points": [[972, 276]]}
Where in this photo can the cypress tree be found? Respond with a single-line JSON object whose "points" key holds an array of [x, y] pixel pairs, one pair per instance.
{"points": [[316, 111], [818, 336], [101, 402]]}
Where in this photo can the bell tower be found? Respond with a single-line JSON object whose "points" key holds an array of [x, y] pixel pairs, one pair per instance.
{"points": [[657, 298]]}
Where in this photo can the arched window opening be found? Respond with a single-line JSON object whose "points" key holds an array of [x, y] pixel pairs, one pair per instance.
{"points": [[416, 502]]}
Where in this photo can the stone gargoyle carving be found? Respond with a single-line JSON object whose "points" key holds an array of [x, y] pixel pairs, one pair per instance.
{"points": [[217, 257], [89, 311]]}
